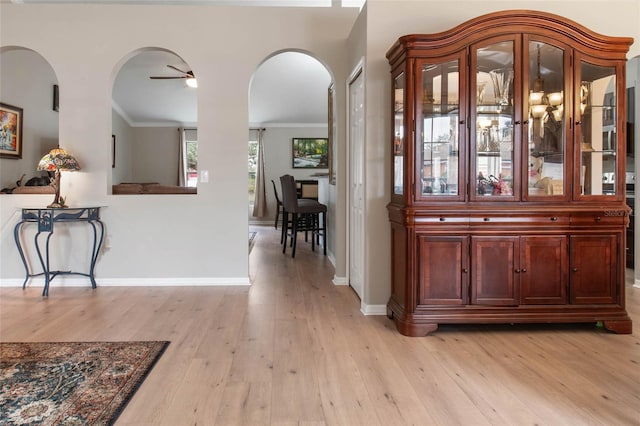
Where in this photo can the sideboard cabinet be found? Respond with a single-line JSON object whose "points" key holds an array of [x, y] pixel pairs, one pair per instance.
{"points": [[507, 183]]}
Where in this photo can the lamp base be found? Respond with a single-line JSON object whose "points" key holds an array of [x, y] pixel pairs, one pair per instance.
{"points": [[57, 206]]}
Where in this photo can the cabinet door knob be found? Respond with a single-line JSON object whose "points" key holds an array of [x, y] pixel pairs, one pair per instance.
{"points": [[524, 270], [517, 271], [575, 269], [598, 218], [517, 122], [486, 219], [442, 219], [525, 122], [465, 270], [554, 219], [461, 121]]}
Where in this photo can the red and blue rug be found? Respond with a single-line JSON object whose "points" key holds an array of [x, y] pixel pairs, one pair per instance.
{"points": [[71, 383]]}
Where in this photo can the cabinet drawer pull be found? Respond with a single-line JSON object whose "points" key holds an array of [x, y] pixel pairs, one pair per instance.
{"points": [[554, 219], [486, 219], [442, 219], [598, 218]]}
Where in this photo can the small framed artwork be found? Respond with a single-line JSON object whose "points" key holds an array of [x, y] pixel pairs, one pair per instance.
{"points": [[310, 153], [56, 98], [10, 131], [113, 151]]}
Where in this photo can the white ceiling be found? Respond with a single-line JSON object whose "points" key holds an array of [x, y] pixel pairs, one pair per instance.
{"points": [[287, 89], [267, 3]]}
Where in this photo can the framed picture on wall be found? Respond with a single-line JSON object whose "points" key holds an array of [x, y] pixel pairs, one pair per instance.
{"points": [[310, 153], [10, 131], [56, 98]]}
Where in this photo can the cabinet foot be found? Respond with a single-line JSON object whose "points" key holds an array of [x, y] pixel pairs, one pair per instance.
{"points": [[415, 330], [619, 327]]}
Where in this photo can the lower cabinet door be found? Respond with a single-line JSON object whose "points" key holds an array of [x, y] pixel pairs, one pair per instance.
{"points": [[593, 269], [443, 270], [543, 270], [494, 262]]}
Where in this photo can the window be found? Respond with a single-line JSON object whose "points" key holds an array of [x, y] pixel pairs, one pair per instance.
{"points": [[191, 157], [253, 166]]}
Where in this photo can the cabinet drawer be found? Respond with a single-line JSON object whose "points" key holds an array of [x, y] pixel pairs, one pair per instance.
{"points": [[528, 220], [442, 220], [614, 217]]}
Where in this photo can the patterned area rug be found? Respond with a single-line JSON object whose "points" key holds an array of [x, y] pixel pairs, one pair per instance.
{"points": [[71, 383]]}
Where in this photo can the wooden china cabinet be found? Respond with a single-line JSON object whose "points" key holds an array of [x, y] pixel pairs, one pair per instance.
{"points": [[508, 181]]}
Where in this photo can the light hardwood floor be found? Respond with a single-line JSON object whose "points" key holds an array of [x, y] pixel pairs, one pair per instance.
{"points": [[293, 349]]}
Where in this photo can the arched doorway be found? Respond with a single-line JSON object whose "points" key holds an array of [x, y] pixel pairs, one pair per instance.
{"points": [[154, 121], [27, 97], [288, 101]]}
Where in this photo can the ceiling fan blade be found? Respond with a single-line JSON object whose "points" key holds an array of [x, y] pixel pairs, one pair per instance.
{"points": [[179, 70], [166, 78]]}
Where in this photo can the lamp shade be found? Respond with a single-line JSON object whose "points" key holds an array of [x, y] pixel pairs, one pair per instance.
{"points": [[58, 159], [55, 161]]}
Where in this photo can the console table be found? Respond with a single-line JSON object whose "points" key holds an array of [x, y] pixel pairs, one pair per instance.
{"points": [[47, 218]]}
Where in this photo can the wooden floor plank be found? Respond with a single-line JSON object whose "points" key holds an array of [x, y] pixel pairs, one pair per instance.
{"points": [[294, 349]]}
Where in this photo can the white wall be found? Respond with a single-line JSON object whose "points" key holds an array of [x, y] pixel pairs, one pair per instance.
{"points": [[388, 20], [148, 235], [155, 153], [33, 92], [123, 170], [224, 45], [278, 161], [145, 154]]}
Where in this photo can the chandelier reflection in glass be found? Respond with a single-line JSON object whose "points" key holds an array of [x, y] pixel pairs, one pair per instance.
{"points": [[546, 112]]}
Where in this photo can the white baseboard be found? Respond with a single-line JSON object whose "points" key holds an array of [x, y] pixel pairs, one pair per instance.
{"points": [[373, 309], [340, 280], [66, 281], [636, 283]]}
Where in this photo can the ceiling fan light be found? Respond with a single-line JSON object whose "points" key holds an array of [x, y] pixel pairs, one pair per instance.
{"points": [[192, 82]]}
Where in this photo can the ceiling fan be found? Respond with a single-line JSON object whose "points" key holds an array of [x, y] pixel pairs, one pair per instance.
{"points": [[188, 75]]}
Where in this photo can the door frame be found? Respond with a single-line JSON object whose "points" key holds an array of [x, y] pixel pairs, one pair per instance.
{"points": [[358, 71]]}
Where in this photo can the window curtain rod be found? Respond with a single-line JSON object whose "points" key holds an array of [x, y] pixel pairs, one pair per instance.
{"points": [[257, 128]]}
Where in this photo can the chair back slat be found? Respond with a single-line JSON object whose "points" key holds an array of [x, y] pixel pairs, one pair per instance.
{"points": [[289, 194], [275, 191]]}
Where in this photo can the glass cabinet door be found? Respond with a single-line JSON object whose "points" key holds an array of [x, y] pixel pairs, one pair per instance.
{"points": [[398, 134], [596, 130], [492, 138], [546, 123], [438, 109]]}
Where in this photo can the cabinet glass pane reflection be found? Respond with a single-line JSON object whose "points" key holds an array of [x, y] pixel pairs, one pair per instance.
{"points": [[597, 130], [440, 114], [494, 118], [546, 132], [398, 132]]}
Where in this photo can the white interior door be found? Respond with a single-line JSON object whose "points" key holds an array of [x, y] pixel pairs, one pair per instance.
{"points": [[356, 183]]}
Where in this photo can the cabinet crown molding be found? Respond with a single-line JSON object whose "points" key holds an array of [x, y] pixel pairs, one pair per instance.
{"points": [[495, 23]]}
